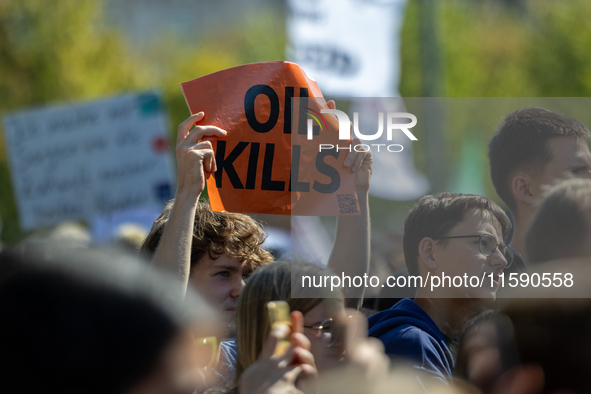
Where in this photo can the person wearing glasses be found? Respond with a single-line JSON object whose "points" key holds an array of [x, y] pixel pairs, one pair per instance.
{"points": [[453, 235], [324, 320], [322, 316], [533, 150], [215, 252]]}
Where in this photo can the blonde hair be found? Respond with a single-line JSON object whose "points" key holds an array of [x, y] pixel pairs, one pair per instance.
{"points": [[271, 283]]}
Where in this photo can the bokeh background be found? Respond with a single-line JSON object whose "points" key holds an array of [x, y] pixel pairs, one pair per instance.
{"points": [[69, 51]]}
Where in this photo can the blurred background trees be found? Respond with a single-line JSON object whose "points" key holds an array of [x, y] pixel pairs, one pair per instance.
{"points": [[71, 50]]}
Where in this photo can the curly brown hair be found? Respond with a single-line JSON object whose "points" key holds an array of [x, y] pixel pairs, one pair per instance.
{"points": [[216, 233]]}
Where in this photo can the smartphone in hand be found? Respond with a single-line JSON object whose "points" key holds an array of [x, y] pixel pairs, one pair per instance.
{"points": [[279, 313]]}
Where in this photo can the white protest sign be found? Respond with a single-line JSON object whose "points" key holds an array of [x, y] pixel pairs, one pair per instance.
{"points": [[75, 162], [350, 47]]}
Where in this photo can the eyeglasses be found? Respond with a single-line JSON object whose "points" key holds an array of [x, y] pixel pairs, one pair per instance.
{"points": [[488, 245], [206, 348], [328, 332]]}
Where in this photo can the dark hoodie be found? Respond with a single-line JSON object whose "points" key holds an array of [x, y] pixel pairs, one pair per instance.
{"points": [[408, 332]]}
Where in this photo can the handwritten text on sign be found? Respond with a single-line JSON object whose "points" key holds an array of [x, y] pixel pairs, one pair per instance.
{"points": [[74, 162]]}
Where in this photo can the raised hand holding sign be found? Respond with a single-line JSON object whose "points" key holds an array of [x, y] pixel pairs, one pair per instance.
{"points": [[266, 164]]}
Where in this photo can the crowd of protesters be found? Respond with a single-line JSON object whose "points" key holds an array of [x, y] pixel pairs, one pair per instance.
{"points": [[189, 312]]}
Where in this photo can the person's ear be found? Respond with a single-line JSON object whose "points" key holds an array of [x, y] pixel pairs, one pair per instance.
{"points": [[427, 253], [522, 189]]}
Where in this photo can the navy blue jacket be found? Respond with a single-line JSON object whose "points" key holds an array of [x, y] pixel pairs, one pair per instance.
{"points": [[409, 333]]}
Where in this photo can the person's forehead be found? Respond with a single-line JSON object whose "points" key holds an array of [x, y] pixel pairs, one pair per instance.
{"points": [[568, 153], [324, 310], [223, 260], [478, 221]]}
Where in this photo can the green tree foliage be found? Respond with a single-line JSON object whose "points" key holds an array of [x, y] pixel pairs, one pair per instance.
{"points": [[64, 51], [174, 59], [55, 52], [59, 51], [491, 50], [558, 49]]}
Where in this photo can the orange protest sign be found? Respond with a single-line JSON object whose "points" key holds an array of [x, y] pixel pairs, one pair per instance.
{"points": [[267, 163]]}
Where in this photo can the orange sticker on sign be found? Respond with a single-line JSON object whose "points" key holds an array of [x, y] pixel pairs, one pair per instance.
{"points": [[271, 161]]}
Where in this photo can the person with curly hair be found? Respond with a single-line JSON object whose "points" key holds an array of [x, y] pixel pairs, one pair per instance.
{"points": [[216, 251]]}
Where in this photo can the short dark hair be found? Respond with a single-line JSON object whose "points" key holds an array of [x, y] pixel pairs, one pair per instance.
{"points": [[216, 233], [520, 144], [435, 215], [560, 224]]}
